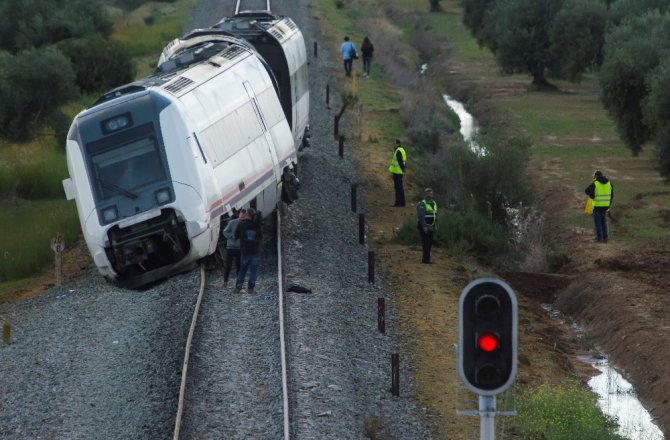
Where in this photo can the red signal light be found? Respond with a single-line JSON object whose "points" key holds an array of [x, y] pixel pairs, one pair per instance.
{"points": [[488, 342]]}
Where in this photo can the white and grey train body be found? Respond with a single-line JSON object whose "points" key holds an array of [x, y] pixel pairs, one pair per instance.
{"points": [[156, 165], [281, 44]]}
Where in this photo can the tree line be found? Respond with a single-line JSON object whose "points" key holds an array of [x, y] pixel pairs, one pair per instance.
{"points": [[627, 42], [51, 51]]}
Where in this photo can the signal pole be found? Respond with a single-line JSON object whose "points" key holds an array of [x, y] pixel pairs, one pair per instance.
{"points": [[487, 346]]}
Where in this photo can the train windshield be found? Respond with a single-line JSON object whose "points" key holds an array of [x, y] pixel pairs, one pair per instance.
{"points": [[122, 169]]}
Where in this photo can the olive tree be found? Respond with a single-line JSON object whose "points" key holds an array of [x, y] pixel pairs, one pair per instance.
{"points": [[25, 24], [656, 108], [577, 37], [621, 10], [99, 64], [521, 29], [633, 50], [32, 87]]}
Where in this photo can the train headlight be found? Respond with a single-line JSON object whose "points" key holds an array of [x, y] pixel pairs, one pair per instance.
{"points": [[110, 214], [163, 196], [117, 123]]}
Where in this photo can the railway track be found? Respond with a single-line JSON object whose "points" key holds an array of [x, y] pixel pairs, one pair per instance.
{"points": [[234, 381]]}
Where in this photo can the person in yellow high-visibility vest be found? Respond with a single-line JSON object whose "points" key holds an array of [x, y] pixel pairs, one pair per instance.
{"points": [[397, 169], [426, 212], [602, 194]]}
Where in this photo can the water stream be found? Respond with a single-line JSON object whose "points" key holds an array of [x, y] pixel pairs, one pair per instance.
{"points": [[616, 396], [468, 127]]}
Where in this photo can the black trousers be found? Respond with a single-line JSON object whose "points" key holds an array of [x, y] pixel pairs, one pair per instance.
{"points": [[427, 244], [399, 190], [347, 66], [232, 255]]}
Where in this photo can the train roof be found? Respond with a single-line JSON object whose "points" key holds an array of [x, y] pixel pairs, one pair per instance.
{"points": [[254, 24], [172, 73]]}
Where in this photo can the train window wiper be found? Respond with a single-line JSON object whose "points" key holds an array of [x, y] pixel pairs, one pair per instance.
{"points": [[118, 189]]}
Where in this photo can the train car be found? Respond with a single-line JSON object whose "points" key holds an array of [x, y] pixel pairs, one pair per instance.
{"points": [[281, 44], [157, 164]]}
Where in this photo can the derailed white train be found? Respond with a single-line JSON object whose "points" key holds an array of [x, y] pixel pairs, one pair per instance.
{"points": [[156, 165]]}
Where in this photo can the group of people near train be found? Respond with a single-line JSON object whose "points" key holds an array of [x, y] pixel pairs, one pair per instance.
{"points": [[243, 235]]}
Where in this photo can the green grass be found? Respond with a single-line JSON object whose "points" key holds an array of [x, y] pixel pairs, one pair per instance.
{"points": [[142, 39], [32, 172], [373, 95], [27, 231], [555, 412]]}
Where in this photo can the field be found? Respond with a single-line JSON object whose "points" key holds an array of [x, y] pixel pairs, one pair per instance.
{"points": [[614, 290]]}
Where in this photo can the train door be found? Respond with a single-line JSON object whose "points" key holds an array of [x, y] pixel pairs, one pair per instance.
{"points": [[269, 143]]}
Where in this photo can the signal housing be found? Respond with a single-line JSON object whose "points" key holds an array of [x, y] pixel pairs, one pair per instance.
{"points": [[487, 336]]}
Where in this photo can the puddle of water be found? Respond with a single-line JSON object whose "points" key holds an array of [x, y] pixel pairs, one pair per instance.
{"points": [[616, 396]]}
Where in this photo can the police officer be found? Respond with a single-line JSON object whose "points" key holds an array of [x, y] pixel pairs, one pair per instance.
{"points": [[602, 193], [397, 169], [426, 211]]}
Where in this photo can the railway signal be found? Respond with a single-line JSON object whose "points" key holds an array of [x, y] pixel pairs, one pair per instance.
{"points": [[487, 336]]}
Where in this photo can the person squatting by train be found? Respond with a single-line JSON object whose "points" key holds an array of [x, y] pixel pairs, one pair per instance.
{"points": [[426, 212], [249, 233], [232, 247]]}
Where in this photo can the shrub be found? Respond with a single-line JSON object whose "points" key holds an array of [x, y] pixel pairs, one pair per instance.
{"points": [[32, 86], [98, 64], [37, 23], [461, 232]]}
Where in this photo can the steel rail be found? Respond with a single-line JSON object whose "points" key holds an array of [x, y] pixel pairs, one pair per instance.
{"points": [[182, 386], [282, 341]]}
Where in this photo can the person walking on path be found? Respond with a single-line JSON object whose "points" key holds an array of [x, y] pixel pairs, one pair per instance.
{"points": [[367, 48], [426, 212], [601, 192], [348, 50], [397, 169], [232, 247], [249, 234]]}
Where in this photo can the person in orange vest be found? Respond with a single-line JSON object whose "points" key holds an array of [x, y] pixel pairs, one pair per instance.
{"points": [[602, 194], [397, 169]]}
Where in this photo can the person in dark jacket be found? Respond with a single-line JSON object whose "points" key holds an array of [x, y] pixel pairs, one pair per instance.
{"points": [[367, 48], [601, 192], [397, 169], [249, 233], [232, 247], [426, 212]]}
